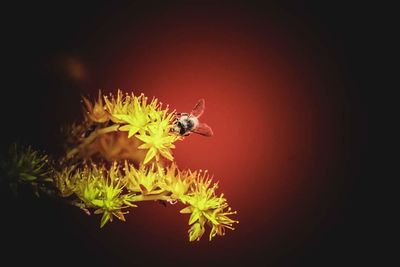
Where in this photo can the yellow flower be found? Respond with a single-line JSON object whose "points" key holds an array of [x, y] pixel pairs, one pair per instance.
{"points": [[177, 182], [149, 122], [159, 116], [105, 136], [223, 220], [103, 190], [136, 116], [96, 112], [158, 138], [205, 206], [87, 184], [158, 141], [144, 180], [112, 200], [117, 106], [196, 231], [65, 181], [203, 203]]}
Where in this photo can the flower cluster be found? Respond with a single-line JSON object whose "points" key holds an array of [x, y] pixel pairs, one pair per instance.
{"points": [[96, 187], [118, 156], [145, 120], [206, 207], [108, 191]]}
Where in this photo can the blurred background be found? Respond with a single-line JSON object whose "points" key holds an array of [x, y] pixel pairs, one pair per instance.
{"points": [[284, 96]]}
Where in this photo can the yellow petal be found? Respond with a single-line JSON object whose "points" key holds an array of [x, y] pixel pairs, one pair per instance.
{"points": [[144, 146], [211, 218], [133, 131], [167, 154], [144, 138], [126, 127], [196, 232], [123, 117], [186, 210], [106, 217], [119, 215], [150, 155], [195, 216]]}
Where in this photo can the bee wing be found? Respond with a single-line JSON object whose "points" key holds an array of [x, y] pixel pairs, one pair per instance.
{"points": [[198, 108], [203, 129]]}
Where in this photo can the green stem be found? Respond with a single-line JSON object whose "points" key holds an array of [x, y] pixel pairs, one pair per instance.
{"points": [[150, 197], [91, 138]]}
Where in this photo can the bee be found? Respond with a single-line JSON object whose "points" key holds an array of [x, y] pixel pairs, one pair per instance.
{"points": [[186, 123]]}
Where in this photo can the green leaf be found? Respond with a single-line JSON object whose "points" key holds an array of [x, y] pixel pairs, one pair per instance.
{"points": [[28, 177], [167, 154], [106, 217]]}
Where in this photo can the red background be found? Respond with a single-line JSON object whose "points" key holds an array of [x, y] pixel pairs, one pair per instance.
{"points": [[286, 123]]}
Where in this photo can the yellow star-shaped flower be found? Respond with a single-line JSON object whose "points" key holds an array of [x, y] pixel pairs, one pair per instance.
{"points": [[158, 141]]}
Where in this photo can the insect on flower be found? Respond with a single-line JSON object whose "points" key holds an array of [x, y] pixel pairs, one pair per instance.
{"points": [[186, 123]]}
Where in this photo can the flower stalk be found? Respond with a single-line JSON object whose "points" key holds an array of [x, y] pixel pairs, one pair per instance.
{"points": [[120, 155], [90, 139], [139, 198]]}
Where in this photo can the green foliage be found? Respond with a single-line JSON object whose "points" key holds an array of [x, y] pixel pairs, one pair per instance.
{"points": [[25, 166]]}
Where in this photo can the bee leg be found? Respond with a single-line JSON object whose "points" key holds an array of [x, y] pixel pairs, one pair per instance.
{"points": [[172, 201]]}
